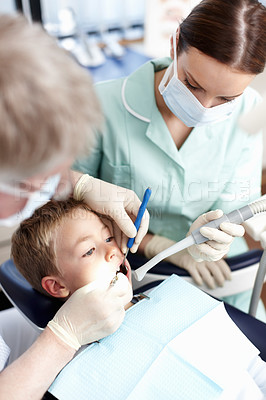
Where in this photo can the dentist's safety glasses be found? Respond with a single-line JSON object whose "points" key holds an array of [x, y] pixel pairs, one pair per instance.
{"points": [[35, 199]]}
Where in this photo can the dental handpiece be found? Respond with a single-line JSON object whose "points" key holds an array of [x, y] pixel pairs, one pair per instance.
{"points": [[235, 217]]}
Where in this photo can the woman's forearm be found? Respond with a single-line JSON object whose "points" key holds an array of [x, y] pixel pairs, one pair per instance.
{"points": [[144, 242]]}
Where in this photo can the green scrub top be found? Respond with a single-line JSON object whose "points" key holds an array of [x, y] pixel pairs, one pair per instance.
{"points": [[218, 166]]}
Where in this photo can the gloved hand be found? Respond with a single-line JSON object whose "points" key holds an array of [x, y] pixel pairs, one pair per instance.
{"points": [[92, 312], [220, 240], [211, 273], [121, 204]]}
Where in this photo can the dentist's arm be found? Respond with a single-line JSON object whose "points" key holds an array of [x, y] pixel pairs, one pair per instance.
{"points": [[120, 204], [32, 373], [84, 318]]}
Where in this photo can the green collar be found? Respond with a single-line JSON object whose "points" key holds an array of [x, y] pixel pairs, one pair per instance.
{"points": [[138, 89]]}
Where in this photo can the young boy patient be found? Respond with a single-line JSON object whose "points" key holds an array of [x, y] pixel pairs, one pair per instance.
{"points": [[65, 246]]}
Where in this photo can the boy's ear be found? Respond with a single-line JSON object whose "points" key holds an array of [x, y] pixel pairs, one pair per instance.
{"points": [[54, 286]]}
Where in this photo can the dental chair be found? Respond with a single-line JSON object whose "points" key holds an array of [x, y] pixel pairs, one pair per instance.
{"points": [[38, 309]]}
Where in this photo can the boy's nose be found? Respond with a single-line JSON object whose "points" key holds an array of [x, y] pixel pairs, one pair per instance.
{"points": [[110, 253]]}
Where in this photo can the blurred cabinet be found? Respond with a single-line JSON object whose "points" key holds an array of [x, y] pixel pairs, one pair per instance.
{"points": [[95, 16]]}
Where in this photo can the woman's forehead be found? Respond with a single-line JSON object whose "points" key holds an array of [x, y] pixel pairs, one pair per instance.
{"points": [[212, 75]]}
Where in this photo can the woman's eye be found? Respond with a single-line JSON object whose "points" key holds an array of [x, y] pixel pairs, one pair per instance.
{"points": [[89, 253], [109, 239], [225, 100], [189, 86]]}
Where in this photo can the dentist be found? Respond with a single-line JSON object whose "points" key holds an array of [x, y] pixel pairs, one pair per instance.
{"points": [[48, 110]]}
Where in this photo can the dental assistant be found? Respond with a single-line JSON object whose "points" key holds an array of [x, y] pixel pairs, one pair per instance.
{"points": [[173, 125]]}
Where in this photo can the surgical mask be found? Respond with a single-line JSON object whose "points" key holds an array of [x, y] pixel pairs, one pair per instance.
{"points": [[185, 106], [35, 199]]}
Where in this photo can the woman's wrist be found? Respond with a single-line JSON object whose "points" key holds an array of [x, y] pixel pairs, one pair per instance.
{"points": [[144, 242]]}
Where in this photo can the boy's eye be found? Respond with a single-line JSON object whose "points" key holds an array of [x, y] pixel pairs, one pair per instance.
{"points": [[109, 239], [89, 253]]}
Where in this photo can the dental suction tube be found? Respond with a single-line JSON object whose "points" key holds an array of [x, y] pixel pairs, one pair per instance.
{"points": [[235, 217]]}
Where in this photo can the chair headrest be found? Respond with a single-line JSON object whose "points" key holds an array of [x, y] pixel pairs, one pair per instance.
{"points": [[38, 308]]}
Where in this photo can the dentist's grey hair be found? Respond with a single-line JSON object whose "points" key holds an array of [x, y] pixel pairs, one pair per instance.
{"points": [[48, 108]]}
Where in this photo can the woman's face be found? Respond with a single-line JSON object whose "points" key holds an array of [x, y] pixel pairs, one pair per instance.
{"points": [[211, 81]]}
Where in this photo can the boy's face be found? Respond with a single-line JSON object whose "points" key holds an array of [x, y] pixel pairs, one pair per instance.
{"points": [[86, 251]]}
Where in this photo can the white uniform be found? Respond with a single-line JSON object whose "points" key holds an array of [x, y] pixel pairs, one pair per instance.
{"points": [[16, 336], [4, 353]]}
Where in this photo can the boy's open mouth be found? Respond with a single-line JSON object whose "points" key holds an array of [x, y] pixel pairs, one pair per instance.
{"points": [[123, 269]]}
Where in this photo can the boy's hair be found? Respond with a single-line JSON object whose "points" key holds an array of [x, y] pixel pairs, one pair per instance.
{"points": [[48, 107], [33, 243]]}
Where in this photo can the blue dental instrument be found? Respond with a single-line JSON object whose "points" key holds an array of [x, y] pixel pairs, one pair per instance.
{"points": [[141, 212]]}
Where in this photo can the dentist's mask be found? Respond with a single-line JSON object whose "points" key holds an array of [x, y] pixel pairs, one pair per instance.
{"points": [[35, 199], [184, 105]]}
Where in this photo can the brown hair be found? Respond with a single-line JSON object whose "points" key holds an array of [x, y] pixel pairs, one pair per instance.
{"points": [[48, 107], [231, 31], [33, 243]]}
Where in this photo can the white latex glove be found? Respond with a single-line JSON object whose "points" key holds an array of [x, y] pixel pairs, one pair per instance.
{"points": [[220, 239], [211, 273], [92, 312], [121, 204]]}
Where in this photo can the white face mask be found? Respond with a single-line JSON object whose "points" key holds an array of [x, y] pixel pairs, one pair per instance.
{"points": [[185, 105], [35, 199]]}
